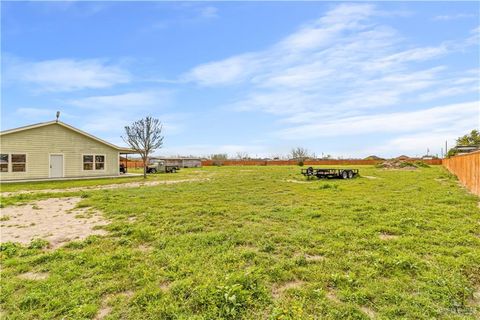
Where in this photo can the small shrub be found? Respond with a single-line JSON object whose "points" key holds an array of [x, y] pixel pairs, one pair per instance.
{"points": [[38, 244], [9, 248], [421, 164], [328, 186], [301, 163], [268, 247]]}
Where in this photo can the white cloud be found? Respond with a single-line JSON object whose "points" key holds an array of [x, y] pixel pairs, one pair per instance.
{"points": [[224, 72], [346, 74], [36, 113], [417, 144], [341, 61], [126, 101], [320, 33], [66, 74], [459, 117], [448, 17]]}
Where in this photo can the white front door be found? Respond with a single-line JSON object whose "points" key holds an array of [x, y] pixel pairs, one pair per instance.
{"points": [[56, 166]]}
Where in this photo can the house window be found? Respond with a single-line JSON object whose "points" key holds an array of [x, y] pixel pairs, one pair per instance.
{"points": [[88, 162], [3, 162], [93, 162], [19, 162], [99, 162]]}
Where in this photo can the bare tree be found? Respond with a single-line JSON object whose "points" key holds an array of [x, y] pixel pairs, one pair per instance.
{"points": [[219, 156], [299, 154], [144, 136], [242, 155]]}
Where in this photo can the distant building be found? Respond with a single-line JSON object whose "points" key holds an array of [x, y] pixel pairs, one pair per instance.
{"points": [[402, 157], [466, 149]]}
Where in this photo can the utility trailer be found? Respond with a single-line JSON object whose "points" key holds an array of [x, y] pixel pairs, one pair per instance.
{"points": [[330, 173]]}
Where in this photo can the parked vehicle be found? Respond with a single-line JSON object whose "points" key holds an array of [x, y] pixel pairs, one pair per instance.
{"points": [[155, 166], [330, 173]]}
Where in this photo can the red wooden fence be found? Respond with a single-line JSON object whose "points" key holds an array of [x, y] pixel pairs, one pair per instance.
{"points": [[307, 162], [467, 168]]}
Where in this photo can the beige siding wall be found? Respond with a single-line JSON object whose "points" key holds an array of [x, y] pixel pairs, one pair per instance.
{"points": [[39, 143]]}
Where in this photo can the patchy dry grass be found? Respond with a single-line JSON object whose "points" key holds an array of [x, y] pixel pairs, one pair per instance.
{"points": [[250, 244]]}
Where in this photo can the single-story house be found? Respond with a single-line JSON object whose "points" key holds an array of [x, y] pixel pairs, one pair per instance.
{"points": [[55, 150]]}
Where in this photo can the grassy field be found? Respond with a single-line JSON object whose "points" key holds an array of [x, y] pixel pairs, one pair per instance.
{"points": [[259, 243]]}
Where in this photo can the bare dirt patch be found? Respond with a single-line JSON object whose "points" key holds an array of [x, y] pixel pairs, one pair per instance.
{"points": [[165, 286], [370, 177], [387, 236], [34, 275], [296, 181], [145, 248], [279, 290], [55, 220], [314, 258], [104, 187], [369, 312], [105, 308], [331, 295], [475, 300]]}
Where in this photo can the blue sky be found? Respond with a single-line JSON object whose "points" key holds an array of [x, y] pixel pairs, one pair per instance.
{"points": [[346, 79]]}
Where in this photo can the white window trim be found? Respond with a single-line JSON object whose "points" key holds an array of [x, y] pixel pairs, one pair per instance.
{"points": [[95, 154], [8, 163], [10, 167], [63, 164]]}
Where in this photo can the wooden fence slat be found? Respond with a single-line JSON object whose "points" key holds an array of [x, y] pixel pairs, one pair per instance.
{"points": [[467, 168]]}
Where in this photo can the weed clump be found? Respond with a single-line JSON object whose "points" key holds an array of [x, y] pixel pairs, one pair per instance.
{"points": [[38, 244], [329, 186]]}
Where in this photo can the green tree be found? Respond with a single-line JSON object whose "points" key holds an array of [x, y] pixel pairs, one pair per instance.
{"points": [[471, 139]]}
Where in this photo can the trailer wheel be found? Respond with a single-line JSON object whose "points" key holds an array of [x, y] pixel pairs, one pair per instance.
{"points": [[350, 174], [309, 171], [173, 170], [153, 170], [344, 175]]}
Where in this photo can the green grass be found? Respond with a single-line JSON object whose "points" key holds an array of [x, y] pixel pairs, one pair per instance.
{"points": [[251, 244], [40, 185]]}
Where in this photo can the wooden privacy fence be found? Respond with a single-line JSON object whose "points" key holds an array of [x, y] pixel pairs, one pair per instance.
{"points": [[467, 168], [132, 163], [307, 162]]}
